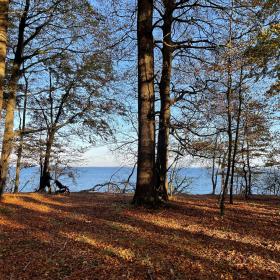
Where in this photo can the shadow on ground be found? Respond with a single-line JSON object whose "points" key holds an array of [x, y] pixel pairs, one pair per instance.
{"points": [[101, 236]]}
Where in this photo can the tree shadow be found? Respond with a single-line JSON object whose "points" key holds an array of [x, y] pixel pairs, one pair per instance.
{"points": [[103, 237]]}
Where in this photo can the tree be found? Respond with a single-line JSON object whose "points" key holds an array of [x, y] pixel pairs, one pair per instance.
{"points": [[264, 50], [46, 29], [165, 101], [4, 9], [175, 19], [22, 125], [145, 186], [75, 97], [11, 99]]}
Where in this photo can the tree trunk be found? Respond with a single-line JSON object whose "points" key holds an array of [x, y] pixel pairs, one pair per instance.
{"points": [[229, 115], [249, 171], [4, 9], [7, 145], [223, 165], [223, 179], [214, 173], [164, 90], [245, 179], [229, 133], [18, 166], [46, 165], [20, 148], [145, 186], [236, 137]]}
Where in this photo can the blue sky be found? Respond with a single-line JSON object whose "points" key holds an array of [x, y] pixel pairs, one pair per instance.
{"points": [[100, 156]]}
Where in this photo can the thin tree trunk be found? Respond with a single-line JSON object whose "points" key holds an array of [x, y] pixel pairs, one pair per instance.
{"points": [[229, 155], [223, 164], [145, 186], [229, 117], [229, 133], [249, 171], [244, 168], [164, 90], [7, 145], [18, 166], [223, 178], [46, 165], [236, 137], [54, 119], [214, 172], [215, 179], [245, 178], [20, 148], [4, 9]]}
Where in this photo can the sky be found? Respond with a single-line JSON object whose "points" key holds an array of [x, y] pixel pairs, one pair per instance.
{"points": [[100, 157]]}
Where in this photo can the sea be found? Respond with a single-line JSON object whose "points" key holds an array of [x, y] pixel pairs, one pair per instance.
{"points": [[194, 180]]}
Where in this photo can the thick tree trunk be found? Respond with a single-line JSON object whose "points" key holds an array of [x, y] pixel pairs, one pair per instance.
{"points": [[11, 102], [145, 186], [7, 145], [164, 90], [4, 9]]}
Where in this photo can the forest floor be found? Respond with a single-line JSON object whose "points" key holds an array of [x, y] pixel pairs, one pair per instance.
{"points": [[102, 236]]}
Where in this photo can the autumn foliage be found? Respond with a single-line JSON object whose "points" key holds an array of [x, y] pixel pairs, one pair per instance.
{"points": [[102, 236]]}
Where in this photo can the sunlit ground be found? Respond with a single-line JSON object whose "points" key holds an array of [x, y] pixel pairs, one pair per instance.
{"points": [[101, 236]]}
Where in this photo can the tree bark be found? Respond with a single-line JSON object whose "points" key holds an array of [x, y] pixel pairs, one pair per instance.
{"points": [[249, 192], [229, 115], [229, 155], [21, 140], [145, 186], [245, 173], [164, 90], [4, 9], [223, 164], [11, 102], [214, 173], [47, 157], [18, 166], [236, 137], [229, 133]]}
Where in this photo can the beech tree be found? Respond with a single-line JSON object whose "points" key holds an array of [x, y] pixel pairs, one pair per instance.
{"points": [[74, 97], [174, 18], [165, 101], [4, 8], [45, 30], [145, 186], [172, 15]]}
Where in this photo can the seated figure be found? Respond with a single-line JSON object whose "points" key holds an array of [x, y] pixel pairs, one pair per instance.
{"points": [[61, 187]]}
